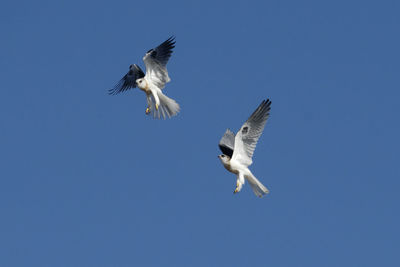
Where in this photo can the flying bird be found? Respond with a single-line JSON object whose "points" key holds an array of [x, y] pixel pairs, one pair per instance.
{"points": [[153, 82], [238, 150]]}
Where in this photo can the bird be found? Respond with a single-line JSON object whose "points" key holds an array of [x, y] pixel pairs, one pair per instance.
{"points": [[153, 82], [237, 150]]}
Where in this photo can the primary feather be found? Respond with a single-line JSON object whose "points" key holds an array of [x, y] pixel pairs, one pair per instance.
{"points": [[128, 81]]}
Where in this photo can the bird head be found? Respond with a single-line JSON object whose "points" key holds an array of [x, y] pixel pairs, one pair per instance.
{"points": [[224, 159], [141, 83]]}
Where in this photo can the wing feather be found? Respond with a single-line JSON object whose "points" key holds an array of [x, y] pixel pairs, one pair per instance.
{"points": [[156, 62], [163, 52], [247, 137], [227, 143], [128, 81]]}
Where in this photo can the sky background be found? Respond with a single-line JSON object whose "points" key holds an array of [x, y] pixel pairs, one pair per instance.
{"points": [[87, 179]]}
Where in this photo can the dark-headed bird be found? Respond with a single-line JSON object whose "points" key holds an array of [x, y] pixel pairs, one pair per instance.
{"points": [[153, 82], [238, 150]]}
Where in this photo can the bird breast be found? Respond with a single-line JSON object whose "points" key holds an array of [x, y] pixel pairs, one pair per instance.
{"points": [[145, 88], [230, 168]]}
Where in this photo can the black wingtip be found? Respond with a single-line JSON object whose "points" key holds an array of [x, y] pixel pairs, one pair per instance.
{"points": [[171, 41], [112, 91], [265, 106], [172, 38], [266, 102], [262, 110]]}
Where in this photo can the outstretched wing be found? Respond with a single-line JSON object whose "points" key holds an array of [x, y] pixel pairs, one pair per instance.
{"points": [[227, 143], [128, 81], [161, 53], [247, 137], [156, 62]]}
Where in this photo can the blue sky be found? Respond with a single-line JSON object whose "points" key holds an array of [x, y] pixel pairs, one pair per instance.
{"points": [[87, 179]]}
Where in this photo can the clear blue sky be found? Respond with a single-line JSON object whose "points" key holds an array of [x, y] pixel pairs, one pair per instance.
{"points": [[87, 179]]}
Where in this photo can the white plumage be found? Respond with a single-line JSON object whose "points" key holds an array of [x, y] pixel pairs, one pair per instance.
{"points": [[153, 81], [238, 150]]}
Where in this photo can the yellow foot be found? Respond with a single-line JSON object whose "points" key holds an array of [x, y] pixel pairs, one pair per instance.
{"points": [[147, 111], [237, 188], [156, 106]]}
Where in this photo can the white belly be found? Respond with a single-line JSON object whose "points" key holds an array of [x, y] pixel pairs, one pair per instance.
{"points": [[236, 167]]}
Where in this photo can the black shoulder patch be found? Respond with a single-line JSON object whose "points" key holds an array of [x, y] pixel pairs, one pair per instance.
{"points": [[226, 150], [245, 130]]}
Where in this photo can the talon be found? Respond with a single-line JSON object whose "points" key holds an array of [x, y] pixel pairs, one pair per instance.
{"points": [[147, 111], [156, 106], [237, 188]]}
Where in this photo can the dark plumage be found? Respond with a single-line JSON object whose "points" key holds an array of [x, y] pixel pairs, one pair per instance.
{"points": [[227, 143], [128, 81], [226, 150], [163, 52]]}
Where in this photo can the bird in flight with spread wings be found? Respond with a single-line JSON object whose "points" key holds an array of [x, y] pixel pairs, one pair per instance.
{"points": [[238, 150], [153, 81]]}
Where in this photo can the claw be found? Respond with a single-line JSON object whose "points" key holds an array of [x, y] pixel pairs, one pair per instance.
{"points": [[156, 106], [147, 111], [237, 188]]}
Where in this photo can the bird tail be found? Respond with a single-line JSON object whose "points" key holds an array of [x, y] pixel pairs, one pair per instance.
{"points": [[258, 188], [167, 108]]}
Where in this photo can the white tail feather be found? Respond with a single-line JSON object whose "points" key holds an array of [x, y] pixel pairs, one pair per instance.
{"points": [[167, 108], [258, 188]]}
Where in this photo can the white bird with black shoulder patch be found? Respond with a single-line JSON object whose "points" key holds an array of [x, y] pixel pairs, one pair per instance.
{"points": [[153, 82], [238, 150]]}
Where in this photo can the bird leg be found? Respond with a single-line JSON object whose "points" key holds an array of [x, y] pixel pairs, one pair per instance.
{"points": [[148, 110], [156, 98], [237, 187]]}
